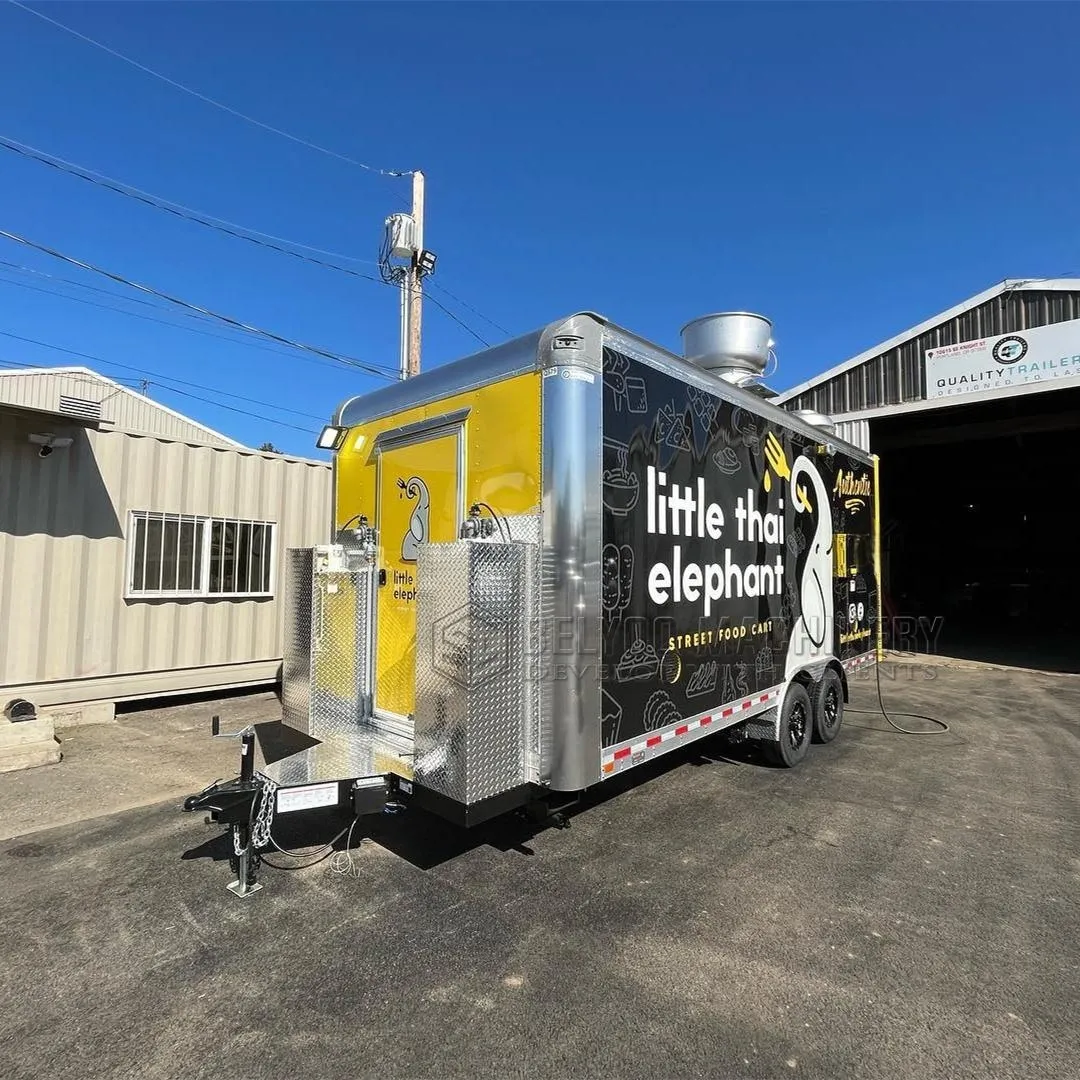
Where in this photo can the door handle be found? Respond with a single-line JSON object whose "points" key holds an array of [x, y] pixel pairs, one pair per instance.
{"points": [[320, 615]]}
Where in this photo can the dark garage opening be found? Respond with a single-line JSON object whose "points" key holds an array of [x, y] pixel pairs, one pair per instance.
{"points": [[980, 529]]}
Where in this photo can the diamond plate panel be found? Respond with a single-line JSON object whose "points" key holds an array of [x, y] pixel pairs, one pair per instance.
{"points": [[327, 669], [296, 660], [528, 529], [366, 751], [474, 718], [336, 705], [524, 528]]}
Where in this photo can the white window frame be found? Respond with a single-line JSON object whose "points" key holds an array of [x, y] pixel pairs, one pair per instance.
{"points": [[202, 588]]}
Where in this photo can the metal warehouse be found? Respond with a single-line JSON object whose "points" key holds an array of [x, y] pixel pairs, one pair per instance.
{"points": [[975, 414], [140, 552]]}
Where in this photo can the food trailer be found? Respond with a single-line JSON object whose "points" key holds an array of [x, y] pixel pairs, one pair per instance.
{"points": [[556, 560]]}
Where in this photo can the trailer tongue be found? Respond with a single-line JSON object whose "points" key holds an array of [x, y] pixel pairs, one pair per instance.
{"points": [[556, 560]]}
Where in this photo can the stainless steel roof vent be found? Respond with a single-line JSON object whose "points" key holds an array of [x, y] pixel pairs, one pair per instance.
{"points": [[812, 416], [735, 345]]}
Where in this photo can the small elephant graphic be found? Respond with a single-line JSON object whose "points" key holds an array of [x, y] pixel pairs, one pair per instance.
{"points": [[415, 488]]}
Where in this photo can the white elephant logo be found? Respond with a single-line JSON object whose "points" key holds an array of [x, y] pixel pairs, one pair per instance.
{"points": [[812, 633], [415, 488]]}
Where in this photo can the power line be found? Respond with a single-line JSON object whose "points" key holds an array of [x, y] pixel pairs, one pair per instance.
{"points": [[350, 361], [247, 344], [152, 374], [169, 389], [228, 228], [242, 412], [239, 232], [209, 100], [155, 307], [159, 202], [112, 307], [94, 288], [469, 307], [148, 318], [201, 329], [17, 365], [461, 322]]}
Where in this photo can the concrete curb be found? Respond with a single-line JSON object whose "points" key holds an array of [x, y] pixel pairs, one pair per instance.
{"points": [[28, 744]]}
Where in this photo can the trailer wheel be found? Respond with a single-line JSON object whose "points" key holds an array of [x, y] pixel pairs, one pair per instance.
{"points": [[796, 728], [828, 707]]}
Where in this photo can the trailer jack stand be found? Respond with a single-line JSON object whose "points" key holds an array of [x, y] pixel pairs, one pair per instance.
{"points": [[232, 803], [246, 863]]}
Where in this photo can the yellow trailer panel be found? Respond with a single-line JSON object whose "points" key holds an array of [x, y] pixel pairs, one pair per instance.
{"points": [[414, 474]]}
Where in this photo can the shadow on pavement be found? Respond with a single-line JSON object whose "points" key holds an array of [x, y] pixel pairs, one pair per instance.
{"points": [[426, 841]]}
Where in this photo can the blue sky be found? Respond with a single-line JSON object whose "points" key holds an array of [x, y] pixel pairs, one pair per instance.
{"points": [[845, 169]]}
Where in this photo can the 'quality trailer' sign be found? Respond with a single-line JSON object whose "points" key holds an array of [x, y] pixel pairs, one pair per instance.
{"points": [[1047, 354]]}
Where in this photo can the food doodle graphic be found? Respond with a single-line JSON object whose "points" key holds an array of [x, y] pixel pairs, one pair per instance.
{"points": [[705, 406], [639, 662], [671, 429], [617, 578], [703, 681], [747, 427], [703, 411], [727, 461], [610, 716], [628, 391], [620, 484], [660, 712], [796, 542], [764, 664], [671, 667]]}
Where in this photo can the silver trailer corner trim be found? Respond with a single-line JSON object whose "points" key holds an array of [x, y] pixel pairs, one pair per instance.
{"points": [[571, 358]]}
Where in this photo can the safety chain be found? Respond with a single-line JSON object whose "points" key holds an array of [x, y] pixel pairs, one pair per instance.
{"points": [[260, 831], [260, 834]]}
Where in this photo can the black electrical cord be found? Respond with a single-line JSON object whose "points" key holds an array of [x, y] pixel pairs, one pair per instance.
{"points": [[324, 852], [498, 521], [941, 729]]}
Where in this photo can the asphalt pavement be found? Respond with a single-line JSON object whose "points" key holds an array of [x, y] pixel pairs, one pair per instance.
{"points": [[896, 906]]}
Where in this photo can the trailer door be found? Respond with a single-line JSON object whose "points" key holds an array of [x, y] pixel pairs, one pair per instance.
{"points": [[420, 487]]}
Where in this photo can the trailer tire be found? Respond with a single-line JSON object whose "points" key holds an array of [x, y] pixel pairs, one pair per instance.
{"points": [[796, 728], [828, 707]]}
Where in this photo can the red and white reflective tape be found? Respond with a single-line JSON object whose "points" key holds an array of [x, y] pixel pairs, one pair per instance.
{"points": [[855, 661], [609, 762]]}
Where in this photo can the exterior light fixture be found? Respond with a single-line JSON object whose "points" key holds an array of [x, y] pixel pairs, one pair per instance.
{"points": [[425, 261], [330, 438]]}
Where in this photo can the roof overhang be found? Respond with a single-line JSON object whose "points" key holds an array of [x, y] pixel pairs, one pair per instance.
{"points": [[1007, 286]]}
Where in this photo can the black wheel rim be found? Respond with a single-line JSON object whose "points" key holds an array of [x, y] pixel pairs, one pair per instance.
{"points": [[797, 726], [831, 710]]}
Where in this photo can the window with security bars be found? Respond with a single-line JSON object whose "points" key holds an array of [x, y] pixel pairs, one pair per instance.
{"points": [[186, 555]]}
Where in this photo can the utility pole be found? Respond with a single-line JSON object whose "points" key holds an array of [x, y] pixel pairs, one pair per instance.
{"points": [[405, 262], [403, 285], [415, 278]]}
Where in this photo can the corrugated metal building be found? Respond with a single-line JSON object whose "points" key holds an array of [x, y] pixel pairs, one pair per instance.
{"points": [[975, 414], [140, 552]]}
